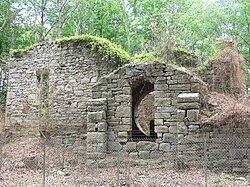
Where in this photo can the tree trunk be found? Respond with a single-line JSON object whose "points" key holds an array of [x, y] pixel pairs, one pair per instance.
{"points": [[43, 8], [154, 29], [60, 18], [136, 34], [126, 26]]}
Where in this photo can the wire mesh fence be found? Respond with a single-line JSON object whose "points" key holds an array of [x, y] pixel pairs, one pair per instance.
{"points": [[203, 161]]}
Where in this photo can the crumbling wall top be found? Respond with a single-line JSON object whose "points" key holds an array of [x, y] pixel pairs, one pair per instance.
{"points": [[108, 50]]}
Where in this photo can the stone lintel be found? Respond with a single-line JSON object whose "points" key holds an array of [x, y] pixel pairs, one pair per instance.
{"points": [[188, 97]]}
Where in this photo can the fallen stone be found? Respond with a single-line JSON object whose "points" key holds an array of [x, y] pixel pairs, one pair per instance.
{"points": [[63, 173], [19, 164]]}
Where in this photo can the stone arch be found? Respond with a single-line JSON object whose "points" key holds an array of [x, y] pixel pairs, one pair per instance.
{"points": [[168, 82]]}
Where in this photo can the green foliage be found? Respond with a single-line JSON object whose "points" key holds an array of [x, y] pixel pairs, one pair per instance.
{"points": [[3, 95], [202, 69], [104, 18], [223, 178], [248, 80], [3, 87], [217, 180], [247, 74], [103, 46], [144, 57], [184, 58], [147, 133], [22, 184], [44, 110], [6, 19], [136, 26], [151, 118], [231, 177], [43, 107], [19, 52]]}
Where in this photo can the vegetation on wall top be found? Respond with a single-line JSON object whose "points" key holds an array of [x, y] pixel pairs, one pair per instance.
{"points": [[184, 58], [20, 51], [177, 56], [144, 57], [109, 50], [103, 46]]}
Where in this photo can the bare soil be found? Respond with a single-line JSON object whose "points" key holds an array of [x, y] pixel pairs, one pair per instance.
{"points": [[22, 165]]}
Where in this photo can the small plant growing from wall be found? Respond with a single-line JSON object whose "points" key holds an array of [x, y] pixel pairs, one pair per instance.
{"points": [[151, 118], [144, 57]]}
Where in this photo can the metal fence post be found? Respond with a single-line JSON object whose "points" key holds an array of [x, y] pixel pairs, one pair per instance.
{"points": [[44, 157], [118, 169], [205, 158]]}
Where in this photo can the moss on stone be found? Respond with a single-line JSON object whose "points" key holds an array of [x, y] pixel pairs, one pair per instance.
{"points": [[20, 51], [184, 58], [109, 50], [144, 57]]}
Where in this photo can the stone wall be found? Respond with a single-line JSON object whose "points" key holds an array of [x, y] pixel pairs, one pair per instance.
{"points": [[90, 106], [71, 70], [181, 138], [229, 149], [177, 104]]}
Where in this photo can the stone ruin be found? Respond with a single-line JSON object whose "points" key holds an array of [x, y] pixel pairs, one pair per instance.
{"points": [[90, 104]]}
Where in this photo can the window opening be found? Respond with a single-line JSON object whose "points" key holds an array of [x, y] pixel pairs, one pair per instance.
{"points": [[143, 111], [43, 89]]}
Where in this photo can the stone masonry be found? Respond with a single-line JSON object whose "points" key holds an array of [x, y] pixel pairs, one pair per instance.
{"points": [[72, 70], [177, 121], [177, 106], [90, 103]]}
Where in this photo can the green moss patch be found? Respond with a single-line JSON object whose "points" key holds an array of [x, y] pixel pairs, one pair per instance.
{"points": [[19, 52], [184, 58], [144, 57], [109, 50]]}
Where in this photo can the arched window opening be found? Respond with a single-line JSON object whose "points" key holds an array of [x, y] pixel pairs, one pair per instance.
{"points": [[143, 111]]}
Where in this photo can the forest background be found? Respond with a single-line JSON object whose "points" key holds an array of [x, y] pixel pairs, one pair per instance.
{"points": [[138, 26]]}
